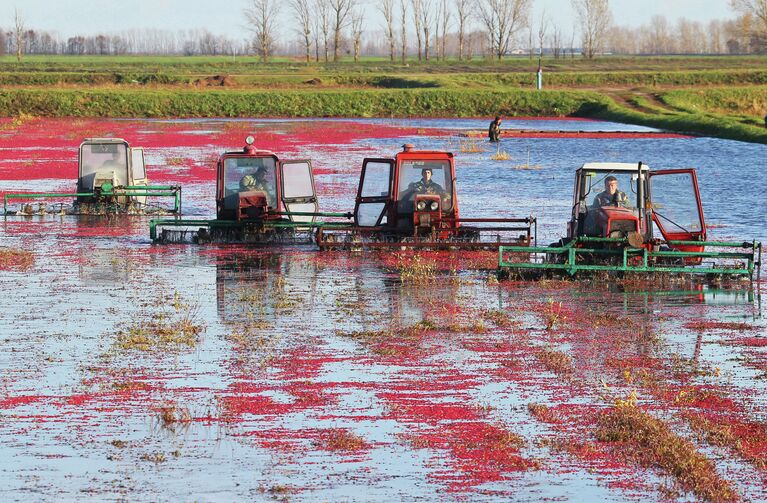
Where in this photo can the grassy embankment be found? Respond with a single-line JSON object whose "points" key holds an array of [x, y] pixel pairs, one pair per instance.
{"points": [[718, 96]]}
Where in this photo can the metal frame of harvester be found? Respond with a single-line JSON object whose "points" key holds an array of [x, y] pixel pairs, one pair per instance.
{"points": [[112, 179], [620, 237]]}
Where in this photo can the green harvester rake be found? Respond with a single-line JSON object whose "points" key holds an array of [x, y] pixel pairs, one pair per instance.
{"points": [[592, 254], [106, 198], [162, 229]]}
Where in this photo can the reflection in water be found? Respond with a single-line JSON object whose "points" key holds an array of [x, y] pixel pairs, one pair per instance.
{"points": [[266, 285]]}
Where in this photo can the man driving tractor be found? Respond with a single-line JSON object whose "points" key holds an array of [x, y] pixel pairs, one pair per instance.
{"points": [[425, 185], [611, 196], [258, 181]]}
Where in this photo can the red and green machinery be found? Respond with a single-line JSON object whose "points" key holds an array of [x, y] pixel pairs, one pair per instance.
{"points": [[656, 226], [260, 199], [399, 205], [263, 199]]}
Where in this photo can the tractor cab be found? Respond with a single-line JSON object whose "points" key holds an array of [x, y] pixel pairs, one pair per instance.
{"points": [[621, 200], [106, 164], [413, 193], [255, 184]]}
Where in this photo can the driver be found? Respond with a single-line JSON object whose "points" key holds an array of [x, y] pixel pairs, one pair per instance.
{"points": [[114, 162], [611, 196], [426, 185], [257, 181]]}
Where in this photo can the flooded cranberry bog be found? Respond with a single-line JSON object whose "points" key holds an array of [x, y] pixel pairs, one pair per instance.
{"points": [[132, 370]]}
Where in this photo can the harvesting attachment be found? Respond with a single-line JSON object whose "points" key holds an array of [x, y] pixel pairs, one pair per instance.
{"points": [[112, 179], [657, 226]]}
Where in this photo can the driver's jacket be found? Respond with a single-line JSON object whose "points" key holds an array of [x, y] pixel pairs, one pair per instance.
{"points": [[606, 199], [250, 183], [421, 187]]}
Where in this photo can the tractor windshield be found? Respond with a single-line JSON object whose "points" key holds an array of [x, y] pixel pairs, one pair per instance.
{"points": [[103, 162], [611, 188], [244, 174], [425, 177]]}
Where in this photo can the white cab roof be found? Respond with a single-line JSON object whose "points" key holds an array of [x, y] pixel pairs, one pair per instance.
{"points": [[614, 166]]}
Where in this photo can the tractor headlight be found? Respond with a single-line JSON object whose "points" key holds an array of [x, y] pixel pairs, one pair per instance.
{"points": [[434, 206], [421, 205]]}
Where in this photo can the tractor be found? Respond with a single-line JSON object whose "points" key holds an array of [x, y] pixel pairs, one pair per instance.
{"points": [[411, 200], [111, 179], [657, 226], [260, 199]]}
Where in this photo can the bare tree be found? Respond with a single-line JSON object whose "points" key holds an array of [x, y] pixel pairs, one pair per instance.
{"points": [[18, 33], [530, 47], [756, 8], [556, 41], [543, 26], [387, 9], [502, 19], [261, 16], [303, 12], [661, 41], [403, 14], [444, 21], [417, 6], [462, 9], [572, 43], [358, 20], [715, 45], [595, 18], [339, 16], [323, 9], [426, 17]]}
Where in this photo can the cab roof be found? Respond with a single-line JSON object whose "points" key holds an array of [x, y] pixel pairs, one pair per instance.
{"points": [[103, 140], [613, 166], [252, 153], [424, 154]]}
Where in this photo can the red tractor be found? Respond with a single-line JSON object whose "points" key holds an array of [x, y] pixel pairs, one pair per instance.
{"points": [[669, 199], [613, 230], [412, 200], [259, 199]]}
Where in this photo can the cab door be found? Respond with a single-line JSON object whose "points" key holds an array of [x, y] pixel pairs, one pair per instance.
{"points": [[675, 205], [374, 194], [137, 171], [297, 189]]}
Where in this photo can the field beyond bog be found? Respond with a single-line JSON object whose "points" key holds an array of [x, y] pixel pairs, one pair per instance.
{"points": [[721, 96]]}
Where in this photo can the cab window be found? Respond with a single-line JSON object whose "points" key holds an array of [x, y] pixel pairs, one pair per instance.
{"points": [[412, 181], [250, 173], [598, 185], [103, 157]]}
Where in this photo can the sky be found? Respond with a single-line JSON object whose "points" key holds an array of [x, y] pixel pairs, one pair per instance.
{"points": [[224, 17]]}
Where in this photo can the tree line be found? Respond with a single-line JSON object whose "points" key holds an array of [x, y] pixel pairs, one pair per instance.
{"points": [[327, 30]]}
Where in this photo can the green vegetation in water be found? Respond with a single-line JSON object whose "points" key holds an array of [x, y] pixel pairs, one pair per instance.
{"points": [[168, 327], [650, 442]]}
